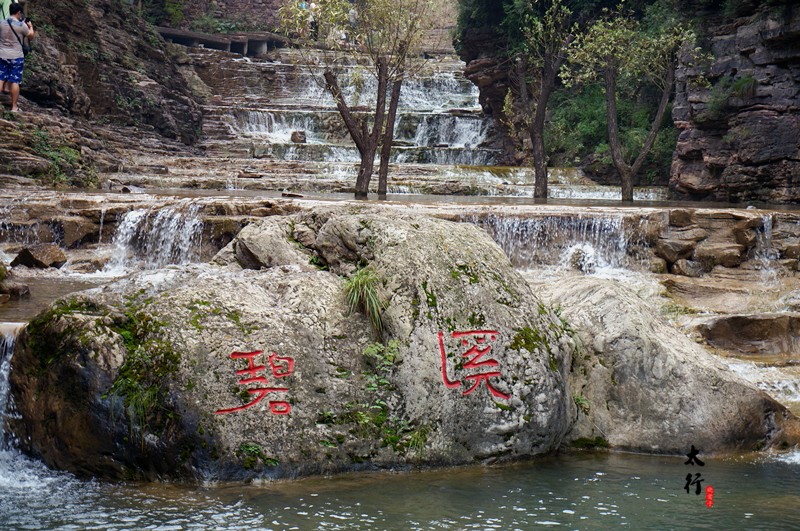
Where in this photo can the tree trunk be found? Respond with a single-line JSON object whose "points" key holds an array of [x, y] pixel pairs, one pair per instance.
{"points": [[628, 172], [669, 79], [388, 137], [537, 138], [365, 170], [627, 183], [353, 127], [366, 141], [553, 60], [614, 143]]}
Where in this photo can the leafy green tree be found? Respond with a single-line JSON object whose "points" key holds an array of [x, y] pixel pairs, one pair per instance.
{"points": [[617, 50], [547, 32], [387, 35]]}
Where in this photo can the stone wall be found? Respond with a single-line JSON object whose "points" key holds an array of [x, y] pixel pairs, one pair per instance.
{"points": [[256, 12], [739, 116]]}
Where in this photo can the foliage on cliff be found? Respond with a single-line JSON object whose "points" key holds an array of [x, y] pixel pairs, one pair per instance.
{"points": [[204, 16], [574, 131]]}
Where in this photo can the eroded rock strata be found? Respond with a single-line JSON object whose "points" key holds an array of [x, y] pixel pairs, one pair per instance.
{"points": [[740, 116]]}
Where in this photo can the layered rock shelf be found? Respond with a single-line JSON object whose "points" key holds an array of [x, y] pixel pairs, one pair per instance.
{"points": [[740, 128], [337, 389]]}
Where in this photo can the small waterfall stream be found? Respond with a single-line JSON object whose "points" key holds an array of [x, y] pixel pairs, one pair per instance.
{"points": [[765, 253], [154, 237], [579, 242], [8, 336]]}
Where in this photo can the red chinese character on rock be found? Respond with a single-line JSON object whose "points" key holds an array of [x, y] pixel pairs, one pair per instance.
{"points": [[281, 367], [477, 348]]}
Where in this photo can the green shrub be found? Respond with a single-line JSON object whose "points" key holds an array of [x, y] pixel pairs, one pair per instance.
{"points": [[578, 128], [362, 294]]}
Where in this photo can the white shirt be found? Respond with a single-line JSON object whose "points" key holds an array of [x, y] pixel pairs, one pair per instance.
{"points": [[10, 47]]}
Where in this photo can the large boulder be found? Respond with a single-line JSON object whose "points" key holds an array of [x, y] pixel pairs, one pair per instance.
{"points": [[255, 366], [644, 386]]}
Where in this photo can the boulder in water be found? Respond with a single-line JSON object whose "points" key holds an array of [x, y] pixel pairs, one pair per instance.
{"points": [[256, 366], [41, 256], [14, 289], [298, 137]]}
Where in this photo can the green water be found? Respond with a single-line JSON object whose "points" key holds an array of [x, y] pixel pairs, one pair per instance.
{"points": [[584, 491]]}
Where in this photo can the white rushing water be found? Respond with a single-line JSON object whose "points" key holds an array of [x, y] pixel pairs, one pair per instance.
{"points": [[25, 482], [765, 254], [581, 241], [8, 334], [154, 237], [781, 383]]}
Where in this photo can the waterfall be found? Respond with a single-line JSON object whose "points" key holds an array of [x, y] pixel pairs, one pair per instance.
{"points": [[276, 126], [583, 242], [764, 252], [439, 115], [102, 222], [22, 233], [152, 238], [8, 336], [452, 131]]}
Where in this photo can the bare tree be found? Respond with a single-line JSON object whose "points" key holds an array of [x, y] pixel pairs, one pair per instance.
{"points": [[384, 35]]}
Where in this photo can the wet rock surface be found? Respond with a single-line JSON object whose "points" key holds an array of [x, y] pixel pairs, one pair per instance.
{"points": [[644, 386], [759, 334], [42, 256]]}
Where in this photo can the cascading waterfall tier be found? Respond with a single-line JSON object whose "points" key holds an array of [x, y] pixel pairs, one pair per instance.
{"points": [[439, 117], [154, 237], [582, 242]]}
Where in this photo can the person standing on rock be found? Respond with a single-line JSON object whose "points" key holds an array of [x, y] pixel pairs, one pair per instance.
{"points": [[12, 59]]}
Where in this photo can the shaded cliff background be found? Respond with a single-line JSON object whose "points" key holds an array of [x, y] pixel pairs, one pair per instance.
{"points": [[96, 66], [734, 131], [739, 114]]}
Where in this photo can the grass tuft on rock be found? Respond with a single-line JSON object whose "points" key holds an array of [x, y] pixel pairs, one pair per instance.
{"points": [[362, 295]]}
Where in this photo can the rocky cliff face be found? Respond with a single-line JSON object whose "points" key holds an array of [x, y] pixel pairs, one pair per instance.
{"points": [[486, 67], [740, 129], [98, 59], [99, 77]]}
